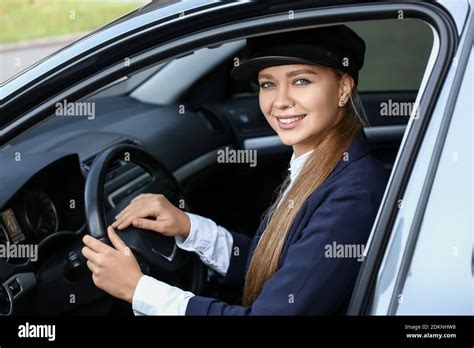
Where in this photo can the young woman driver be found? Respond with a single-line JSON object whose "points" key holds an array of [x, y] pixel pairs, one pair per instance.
{"points": [[328, 202]]}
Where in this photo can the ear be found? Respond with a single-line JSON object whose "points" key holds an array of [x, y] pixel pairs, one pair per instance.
{"points": [[346, 84]]}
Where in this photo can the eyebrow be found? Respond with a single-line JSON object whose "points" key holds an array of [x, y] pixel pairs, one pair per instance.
{"points": [[291, 73]]}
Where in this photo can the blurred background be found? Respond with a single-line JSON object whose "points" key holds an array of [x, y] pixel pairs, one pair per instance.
{"points": [[31, 30]]}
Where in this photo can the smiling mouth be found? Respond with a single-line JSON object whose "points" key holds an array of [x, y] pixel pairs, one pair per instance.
{"points": [[288, 120]]}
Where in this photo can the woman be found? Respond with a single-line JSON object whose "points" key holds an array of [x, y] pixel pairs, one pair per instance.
{"points": [[300, 261]]}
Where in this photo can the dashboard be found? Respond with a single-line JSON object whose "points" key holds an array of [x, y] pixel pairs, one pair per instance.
{"points": [[49, 202], [36, 217], [42, 221]]}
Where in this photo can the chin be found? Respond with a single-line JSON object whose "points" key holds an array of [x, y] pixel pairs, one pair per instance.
{"points": [[290, 140]]}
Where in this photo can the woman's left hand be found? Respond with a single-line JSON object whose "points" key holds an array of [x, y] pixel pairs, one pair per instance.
{"points": [[116, 271]]}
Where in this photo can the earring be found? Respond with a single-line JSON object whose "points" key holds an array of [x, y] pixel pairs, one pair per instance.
{"points": [[342, 102]]}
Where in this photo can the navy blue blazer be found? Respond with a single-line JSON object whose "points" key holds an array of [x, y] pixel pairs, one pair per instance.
{"points": [[309, 282]]}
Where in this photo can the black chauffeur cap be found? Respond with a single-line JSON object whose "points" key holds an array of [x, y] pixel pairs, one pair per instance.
{"points": [[334, 46]]}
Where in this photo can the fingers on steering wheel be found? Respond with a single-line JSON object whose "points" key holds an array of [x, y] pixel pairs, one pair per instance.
{"points": [[147, 224], [115, 239], [141, 211], [95, 245], [130, 207], [120, 217], [91, 266], [90, 255]]}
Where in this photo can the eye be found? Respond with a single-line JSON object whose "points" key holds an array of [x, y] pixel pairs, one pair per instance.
{"points": [[301, 82], [265, 84]]}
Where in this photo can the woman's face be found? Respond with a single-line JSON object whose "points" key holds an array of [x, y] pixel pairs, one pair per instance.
{"points": [[301, 101]]}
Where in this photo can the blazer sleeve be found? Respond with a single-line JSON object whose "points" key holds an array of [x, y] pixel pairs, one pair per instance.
{"points": [[235, 275], [310, 280]]}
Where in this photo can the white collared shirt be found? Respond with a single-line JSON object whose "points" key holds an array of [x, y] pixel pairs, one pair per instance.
{"points": [[296, 164], [212, 243]]}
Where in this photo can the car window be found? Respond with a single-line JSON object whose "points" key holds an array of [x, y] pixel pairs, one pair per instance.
{"points": [[396, 56], [440, 278]]}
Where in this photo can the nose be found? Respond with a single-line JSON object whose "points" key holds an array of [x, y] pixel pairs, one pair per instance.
{"points": [[283, 99]]}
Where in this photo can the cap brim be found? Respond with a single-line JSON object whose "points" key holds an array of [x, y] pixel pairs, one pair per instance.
{"points": [[249, 69]]}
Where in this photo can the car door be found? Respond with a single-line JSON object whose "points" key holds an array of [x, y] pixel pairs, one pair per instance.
{"points": [[427, 265], [437, 276]]}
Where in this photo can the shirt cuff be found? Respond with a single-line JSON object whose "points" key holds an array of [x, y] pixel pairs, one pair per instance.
{"points": [[212, 243], [188, 243], [154, 297]]}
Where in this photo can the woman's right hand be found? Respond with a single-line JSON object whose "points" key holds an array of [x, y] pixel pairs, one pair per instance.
{"points": [[155, 213]]}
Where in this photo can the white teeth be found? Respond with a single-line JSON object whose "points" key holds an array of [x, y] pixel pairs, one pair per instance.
{"points": [[290, 120]]}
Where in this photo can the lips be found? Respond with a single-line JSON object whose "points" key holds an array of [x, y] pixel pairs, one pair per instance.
{"points": [[289, 121]]}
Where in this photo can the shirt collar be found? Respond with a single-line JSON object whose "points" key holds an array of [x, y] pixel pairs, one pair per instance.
{"points": [[297, 163]]}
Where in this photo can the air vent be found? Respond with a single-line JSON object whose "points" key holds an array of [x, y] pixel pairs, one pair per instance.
{"points": [[114, 169], [122, 178]]}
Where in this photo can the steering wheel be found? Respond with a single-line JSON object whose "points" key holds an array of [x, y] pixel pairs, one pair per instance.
{"points": [[156, 254]]}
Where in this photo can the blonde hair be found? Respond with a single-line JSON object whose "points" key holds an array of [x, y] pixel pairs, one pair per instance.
{"points": [[280, 215]]}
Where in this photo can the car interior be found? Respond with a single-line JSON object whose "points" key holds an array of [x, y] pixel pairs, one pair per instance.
{"points": [[181, 112]]}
